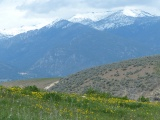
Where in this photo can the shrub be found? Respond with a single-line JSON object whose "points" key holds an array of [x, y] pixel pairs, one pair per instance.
{"points": [[52, 96], [124, 98], [157, 68], [29, 89], [32, 88], [143, 99], [92, 91], [98, 93], [132, 105]]}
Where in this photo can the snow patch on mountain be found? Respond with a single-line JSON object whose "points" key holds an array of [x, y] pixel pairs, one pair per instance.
{"points": [[60, 23], [94, 16], [115, 20], [54, 22], [4, 36], [97, 20], [136, 13], [22, 29], [110, 19], [1, 36]]}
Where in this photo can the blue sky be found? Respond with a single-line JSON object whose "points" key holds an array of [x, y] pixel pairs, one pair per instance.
{"points": [[16, 13]]}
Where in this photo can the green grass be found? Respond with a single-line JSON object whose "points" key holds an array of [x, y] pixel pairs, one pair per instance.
{"points": [[32, 104]]}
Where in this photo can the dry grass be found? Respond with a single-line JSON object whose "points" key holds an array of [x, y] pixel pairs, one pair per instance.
{"points": [[40, 83], [133, 78], [135, 72]]}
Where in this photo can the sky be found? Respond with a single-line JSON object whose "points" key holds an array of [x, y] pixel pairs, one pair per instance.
{"points": [[18, 13]]}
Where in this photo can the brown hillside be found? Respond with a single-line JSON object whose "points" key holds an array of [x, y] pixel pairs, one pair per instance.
{"points": [[40, 83], [132, 78]]}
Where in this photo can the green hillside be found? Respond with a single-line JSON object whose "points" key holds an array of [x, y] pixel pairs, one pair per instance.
{"points": [[30, 103]]}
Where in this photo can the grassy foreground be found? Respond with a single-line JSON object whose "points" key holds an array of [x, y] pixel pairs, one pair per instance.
{"points": [[30, 103]]}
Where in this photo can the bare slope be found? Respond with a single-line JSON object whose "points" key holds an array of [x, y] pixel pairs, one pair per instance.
{"points": [[44, 83], [132, 78]]}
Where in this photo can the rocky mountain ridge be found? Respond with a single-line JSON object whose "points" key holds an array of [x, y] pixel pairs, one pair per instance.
{"points": [[65, 47]]}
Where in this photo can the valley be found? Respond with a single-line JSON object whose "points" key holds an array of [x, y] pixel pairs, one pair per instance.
{"points": [[91, 66], [132, 78]]}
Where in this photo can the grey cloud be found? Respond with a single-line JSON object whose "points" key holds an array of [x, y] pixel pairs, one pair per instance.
{"points": [[51, 5], [116, 3], [54, 5], [2, 1]]}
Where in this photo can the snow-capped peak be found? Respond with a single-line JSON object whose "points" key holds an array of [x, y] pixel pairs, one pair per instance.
{"points": [[62, 23], [110, 19], [135, 13], [22, 29], [94, 16], [54, 22]]}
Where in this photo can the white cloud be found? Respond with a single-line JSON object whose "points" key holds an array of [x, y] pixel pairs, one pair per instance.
{"points": [[9, 15], [12, 17], [15, 13]]}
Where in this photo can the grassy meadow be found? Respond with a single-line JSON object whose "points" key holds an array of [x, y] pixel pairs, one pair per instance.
{"points": [[30, 103]]}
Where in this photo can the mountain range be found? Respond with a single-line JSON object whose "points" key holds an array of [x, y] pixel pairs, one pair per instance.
{"points": [[67, 46]]}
